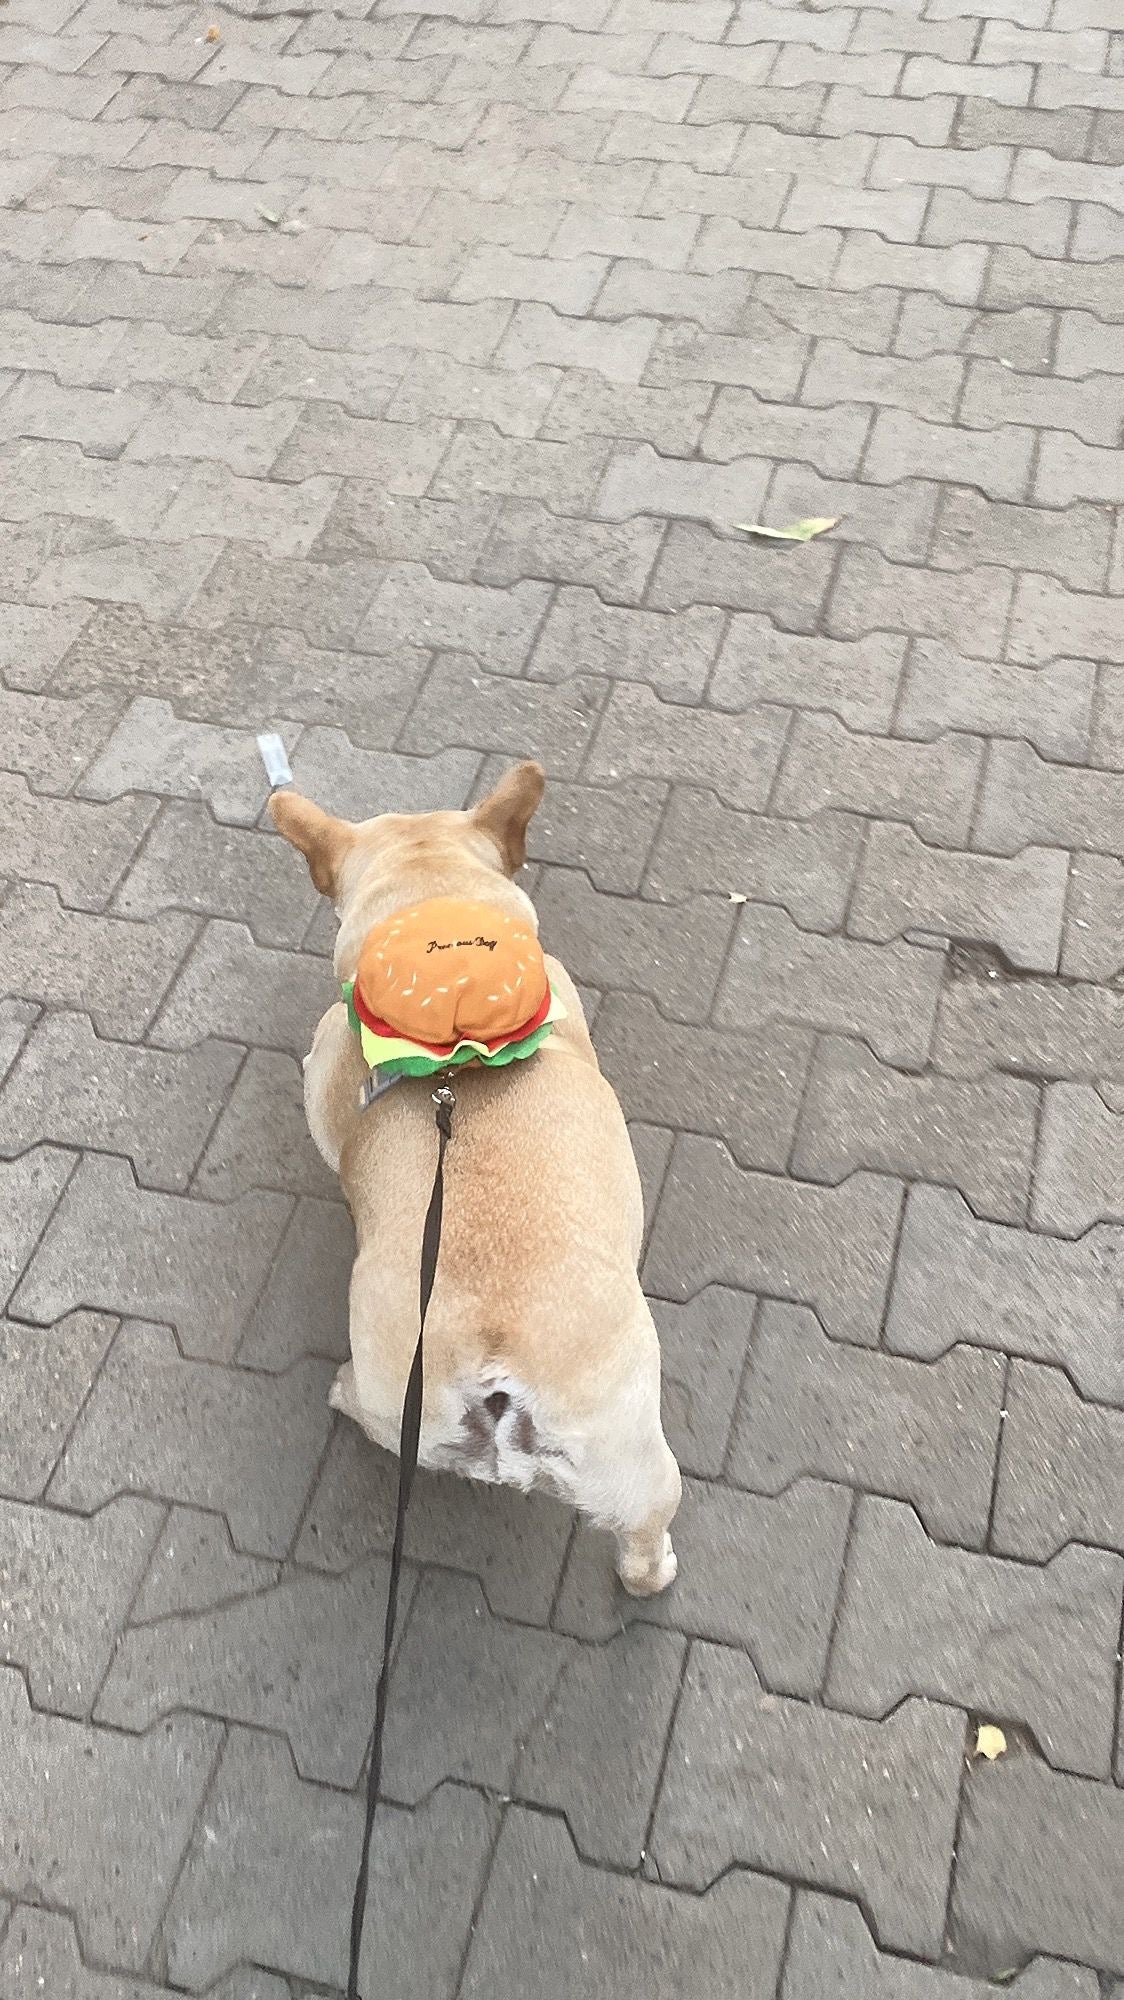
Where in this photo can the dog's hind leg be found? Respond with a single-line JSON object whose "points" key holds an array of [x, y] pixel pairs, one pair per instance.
{"points": [[334, 1073]]}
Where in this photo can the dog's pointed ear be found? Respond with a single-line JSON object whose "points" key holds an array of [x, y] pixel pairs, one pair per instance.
{"points": [[325, 842], [507, 812]]}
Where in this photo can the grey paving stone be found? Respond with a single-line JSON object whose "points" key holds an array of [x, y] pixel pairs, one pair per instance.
{"points": [[563, 474], [674, 953], [1050, 707], [546, 1918], [745, 1088], [81, 850], [52, 741], [40, 1954], [968, 610], [462, 701], [74, 1088], [776, 972], [45, 1377], [106, 1836], [152, 750], [260, 1137], [828, 1248], [703, 1353], [1047, 1028], [17, 1018], [1079, 1171], [281, 1658], [245, 992], [268, 1877], [1060, 1468], [697, 566], [414, 608], [831, 1951], [119, 1247], [1064, 1894], [1036, 1296], [926, 1433], [33, 639], [639, 480], [805, 866], [242, 1442], [195, 1566], [528, 540], [605, 830], [30, 1186], [190, 862], [896, 520], [1002, 1638], [856, 680], [1069, 543], [1093, 945], [761, 1574], [326, 600], [978, 1135], [905, 887], [832, 440], [65, 957], [68, 1586], [672, 652], [302, 1308], [760, 1781], [640, 735], [930, 786], [1048, 620], [514, 1543]]}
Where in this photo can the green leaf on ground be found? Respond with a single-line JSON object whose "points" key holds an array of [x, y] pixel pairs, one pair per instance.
{"points": [[797, 531]]}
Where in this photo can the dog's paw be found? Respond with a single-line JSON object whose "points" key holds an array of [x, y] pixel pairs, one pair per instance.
{"points": [[649, 1582]]}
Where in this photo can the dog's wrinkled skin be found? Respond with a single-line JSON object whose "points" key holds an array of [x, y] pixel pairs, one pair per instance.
{"points": [[542, 1363]]}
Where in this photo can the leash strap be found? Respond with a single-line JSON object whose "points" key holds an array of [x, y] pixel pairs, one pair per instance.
{"points": [[408, 1443]]}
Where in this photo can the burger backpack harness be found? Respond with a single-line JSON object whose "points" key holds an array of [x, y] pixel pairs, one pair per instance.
{"points": [[439, 986]]}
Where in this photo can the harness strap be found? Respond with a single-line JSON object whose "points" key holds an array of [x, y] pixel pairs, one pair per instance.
{"points": [[408, 1443]]}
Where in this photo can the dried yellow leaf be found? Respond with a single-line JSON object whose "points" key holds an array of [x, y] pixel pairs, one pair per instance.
{"points": [[990, 1742], [797, 531]]}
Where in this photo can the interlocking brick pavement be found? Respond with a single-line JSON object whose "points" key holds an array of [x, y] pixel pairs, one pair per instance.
{"points": [[395, 377]]}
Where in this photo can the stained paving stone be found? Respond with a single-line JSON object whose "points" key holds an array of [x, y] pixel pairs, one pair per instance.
{"points": [[245, 992], [640, 735], [669, 651], [856, 681], [929, 786], [191, 862], [302, 1307], [72, 1086], [358, 783], [906, 888], [68, 1585], [698, 566], [745, 1088], [51, 741], [261, 1137], [977, 1135], [825, 1247], [605, 830], [73, 959], [529, 540], [461, 701], [40, 1954], [804, 865], [1025, 800], [923, 1432], [269, 1870], [702, 1351], [777, 972], [33, 639], [1022, 1293], [1049, 706], [153, 750], [1079, 1173], [281, 1658], [547, 1917], [675, 951], [514, 1543], [753, 1778], [758, 1573], [81, 850], [1030, 1027], [107, 1836], [192, 1264], [831, 1951], [1059, 1468], [244, 1443], [1064, 1897], [1037, 1646]]}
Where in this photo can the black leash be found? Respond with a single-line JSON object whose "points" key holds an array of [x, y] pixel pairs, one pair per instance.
{"points": [[408, 1443]]}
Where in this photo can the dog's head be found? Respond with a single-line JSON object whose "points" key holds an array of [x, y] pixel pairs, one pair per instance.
{"points": [[368, 868]]}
